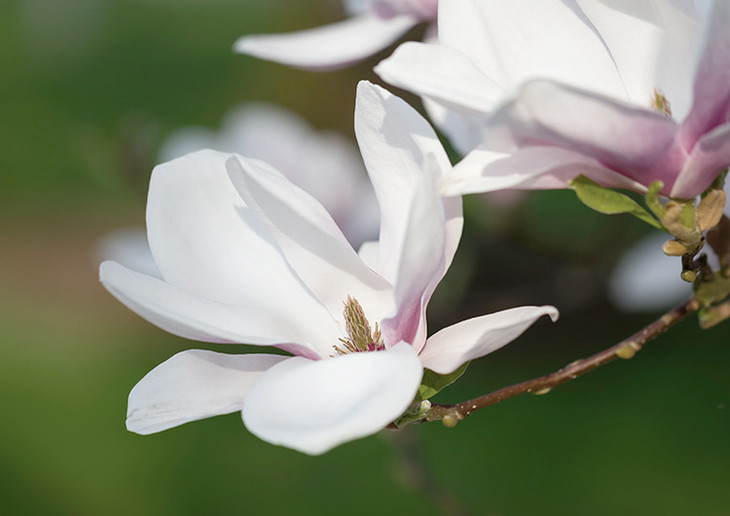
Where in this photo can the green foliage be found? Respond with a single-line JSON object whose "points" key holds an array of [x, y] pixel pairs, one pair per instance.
{"points": [[432, 382], [610, 202]]}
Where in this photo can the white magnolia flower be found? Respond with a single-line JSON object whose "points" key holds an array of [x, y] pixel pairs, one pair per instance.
{"points": [[248, 257], [372, 26], [582, 87], [323, 163]]}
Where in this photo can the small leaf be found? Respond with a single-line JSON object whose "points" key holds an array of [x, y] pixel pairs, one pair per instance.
{"points": [[652, 199], [608, 201], [432, 382]]}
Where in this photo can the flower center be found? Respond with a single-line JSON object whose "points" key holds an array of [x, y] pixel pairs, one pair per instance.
{"points": [[360, 337], [660, 103]]}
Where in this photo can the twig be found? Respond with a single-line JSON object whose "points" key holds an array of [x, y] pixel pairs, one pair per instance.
{"points": [[452, 414]]}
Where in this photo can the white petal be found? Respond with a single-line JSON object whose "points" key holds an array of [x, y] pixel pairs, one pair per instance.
{"points": [[449, 348], [442, 74], [531, 168], [709, 157], [465, 132], [654, 44], [206, 241], [638, 143], [645, 279], [329, 46], [423, 259], [198, 318], [394, 140], [712, 77], [369, 253], [192, 385], [311, 241], [519, 40], [315, 406], [129, 247]]}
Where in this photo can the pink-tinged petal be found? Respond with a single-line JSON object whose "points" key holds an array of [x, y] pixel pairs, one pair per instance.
{"points": [[311, 241], [646, 279], [314, 406], [129, 247], [709, 157], [529, 168], [192, 385], [665, 34], [451, 347], [330, 46], [198, 318], [206, 241], [711, 105], [638, 143], [441, 74], [395, 142], [424, 258], [520, 40]]}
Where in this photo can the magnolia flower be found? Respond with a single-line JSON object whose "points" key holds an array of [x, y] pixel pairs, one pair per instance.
{"points": [[323, 163], [373, 25], [625, 92], [248, 257]]}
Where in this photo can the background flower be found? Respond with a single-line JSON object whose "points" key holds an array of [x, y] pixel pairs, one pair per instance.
{"points": [[373, 25], [579, 100]]}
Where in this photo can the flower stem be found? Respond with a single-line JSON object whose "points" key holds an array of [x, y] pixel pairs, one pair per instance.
{"points": [[627, 348]]}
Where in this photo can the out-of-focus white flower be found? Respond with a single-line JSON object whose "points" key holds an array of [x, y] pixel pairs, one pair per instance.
{"points": [[247, 257], [372, 26], [323, 163], [586, 87]]}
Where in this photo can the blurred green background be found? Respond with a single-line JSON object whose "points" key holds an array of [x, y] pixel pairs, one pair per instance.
{"points": [[88, 91]]}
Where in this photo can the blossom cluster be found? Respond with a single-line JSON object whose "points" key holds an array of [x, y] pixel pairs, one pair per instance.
{"points": [[253, 240]]}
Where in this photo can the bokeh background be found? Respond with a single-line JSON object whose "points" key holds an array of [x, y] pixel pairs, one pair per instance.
{"points": [[89, 89]]}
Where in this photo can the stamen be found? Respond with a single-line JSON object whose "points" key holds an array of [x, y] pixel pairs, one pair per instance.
{"points": [[360, 337], [660, 103]]}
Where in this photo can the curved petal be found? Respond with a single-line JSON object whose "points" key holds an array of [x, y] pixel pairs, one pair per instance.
{"points": [[129, 247], [312, 242], [394, 140], [530, 168], [314, 406], [709, 157], [207, 242], [520, 40], [646, 279], [195, 317], [449, 348], [424, 258], [192, 385], [711, 106], [654, 44], [330, 46], [441, 74], [638, 143]]}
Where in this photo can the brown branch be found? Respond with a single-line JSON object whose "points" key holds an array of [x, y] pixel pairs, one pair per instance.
{"points": [[627, 348]]}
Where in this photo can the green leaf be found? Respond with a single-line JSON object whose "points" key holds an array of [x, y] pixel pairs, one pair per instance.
{"points": [[432, 382], [608, 201], [652, 199]]}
